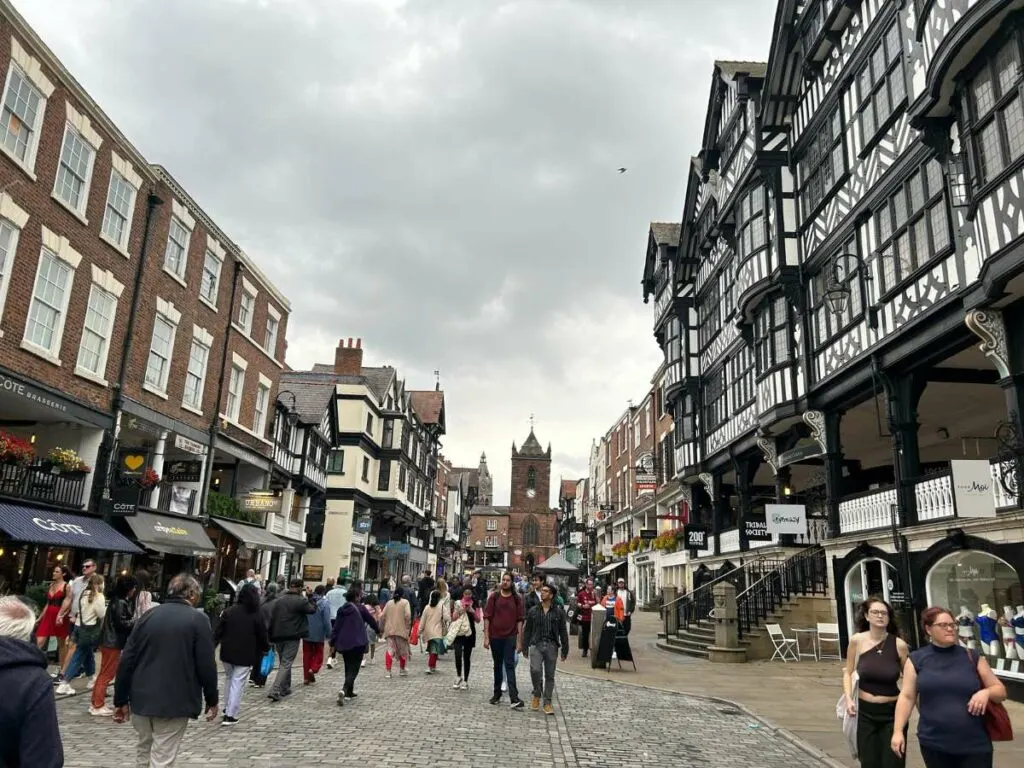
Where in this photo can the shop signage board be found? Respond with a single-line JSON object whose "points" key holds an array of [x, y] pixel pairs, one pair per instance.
{"points": [[696, 537], [363, 524], [648, 533], [132, 462], [189, 446], [786, 518], [576, 537], [261, 502], [312, 573], [123, 501], [800, 453], [972, 488], [183, 471], [756, 528]]}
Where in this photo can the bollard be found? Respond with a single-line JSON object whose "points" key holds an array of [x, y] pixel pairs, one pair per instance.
{"points": [[727, 642]]}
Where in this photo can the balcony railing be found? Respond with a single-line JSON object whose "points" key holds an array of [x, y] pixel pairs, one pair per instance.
{"points": [[188, 499], [41, 484]]}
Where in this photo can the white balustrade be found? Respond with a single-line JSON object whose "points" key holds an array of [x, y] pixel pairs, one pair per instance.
{"points": [[867, 512], [276, 524], [729, 541], [934, 498], [817, 532], [293, 530]]}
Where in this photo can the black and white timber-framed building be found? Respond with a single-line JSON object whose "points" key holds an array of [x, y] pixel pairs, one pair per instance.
{"points": [[843, 316]]}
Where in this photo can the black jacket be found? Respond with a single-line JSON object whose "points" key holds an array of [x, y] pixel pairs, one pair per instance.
{"points": [[117, 624], [288, 617], [29, 735], [168, 667], [546, 627], [242, 637]]}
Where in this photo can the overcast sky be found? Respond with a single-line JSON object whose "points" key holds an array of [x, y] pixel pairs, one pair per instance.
{"points": [[437, 177]]}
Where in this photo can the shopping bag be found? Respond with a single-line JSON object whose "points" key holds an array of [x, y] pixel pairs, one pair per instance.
{"points": [[267, 665], [414, 636]]}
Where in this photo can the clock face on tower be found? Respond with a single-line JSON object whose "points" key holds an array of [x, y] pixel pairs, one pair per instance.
{"points": [[530, 493]]}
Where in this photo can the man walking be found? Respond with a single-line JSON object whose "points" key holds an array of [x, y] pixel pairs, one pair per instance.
{"points": [[532, 596], [28, 715], [545, 635], [335, 598], [627, 600], [166, 672], [289, 624], [503, 620], [426, 584], [70, 609]]}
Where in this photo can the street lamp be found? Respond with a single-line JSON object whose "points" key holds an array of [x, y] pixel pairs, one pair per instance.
{"points": [[837, 289]]}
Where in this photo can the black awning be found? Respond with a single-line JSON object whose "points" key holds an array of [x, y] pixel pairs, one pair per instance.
{"points": [[254, 536], [59, 529], [171, 534]]}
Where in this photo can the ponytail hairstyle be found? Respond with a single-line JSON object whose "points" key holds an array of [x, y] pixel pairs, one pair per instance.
{"points": [[396, 595]]}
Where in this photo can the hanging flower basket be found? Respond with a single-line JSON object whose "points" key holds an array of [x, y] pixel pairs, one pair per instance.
{"points": [[15, 450]]}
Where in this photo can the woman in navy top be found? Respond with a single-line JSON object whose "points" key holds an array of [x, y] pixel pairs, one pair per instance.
{"points": [[952, 687]]}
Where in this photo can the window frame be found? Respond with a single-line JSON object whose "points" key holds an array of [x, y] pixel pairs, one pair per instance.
{"points": [[51, 353], [747, 216], [259, 414], [64, 169], [491, 525], [109, 210], [716, 398], [201, 387], [233, 401], [384, 475], [168, 268], [28, 162], [7, 262], [819, 310], [811, 170], [102, 357], [876, 78], [336, 465], [270, 334], [210, 278], [742, 378], [772, 322], [160, 388], [709, 314], [249, 308], [366, 469]]}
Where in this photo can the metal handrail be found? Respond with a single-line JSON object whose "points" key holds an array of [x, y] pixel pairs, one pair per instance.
{"points": [[756, 561], [804, 573]]}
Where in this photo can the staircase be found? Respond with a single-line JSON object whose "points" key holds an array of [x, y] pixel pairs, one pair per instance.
{"points": [[767, 590]]}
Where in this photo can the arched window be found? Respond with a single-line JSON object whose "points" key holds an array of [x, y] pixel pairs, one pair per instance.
{"points": [[530, 532], [531, 479]]}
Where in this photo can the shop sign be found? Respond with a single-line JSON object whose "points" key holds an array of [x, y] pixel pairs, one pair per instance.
{"points": [[696, 536], [123, 501], [972, 488], [183, 471], [189, 446], [786, 518], [312, 573], [363, 524], [261, 501], [397, 548], [648, 533], [756, 528], [131, 462], [645, 479], [576, 537], [30, 393], [50, 525]]}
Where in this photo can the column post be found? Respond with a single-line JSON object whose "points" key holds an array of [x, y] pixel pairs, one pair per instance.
{"points": [[158, 466]]}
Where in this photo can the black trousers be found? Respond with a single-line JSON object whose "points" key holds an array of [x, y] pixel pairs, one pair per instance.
{"points": [[874, 733], [463, 653], [627, 624], [935, 759], [353, 659], [584, 636]]}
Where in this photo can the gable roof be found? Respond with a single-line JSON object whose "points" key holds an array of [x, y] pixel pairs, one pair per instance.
{"points": [[532, 446], [429, 406], [569, 489], [313, 395], [665, 232], [377, 380], [490, 511]]}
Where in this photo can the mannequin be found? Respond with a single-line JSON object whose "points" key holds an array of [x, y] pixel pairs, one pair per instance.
{"points": [[965, 620], [986, 622], [1018, 628], [1009, 636]]}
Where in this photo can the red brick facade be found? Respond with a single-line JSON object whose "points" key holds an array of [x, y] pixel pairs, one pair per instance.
{"points": [[533, 524]]}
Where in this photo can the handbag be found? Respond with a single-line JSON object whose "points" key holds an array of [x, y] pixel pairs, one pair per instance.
{"points": [[996, 719], [414, 635], [850, 722], [267, 665]]}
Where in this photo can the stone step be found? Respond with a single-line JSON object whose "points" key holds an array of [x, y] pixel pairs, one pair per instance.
{"points": [[672, 645]]}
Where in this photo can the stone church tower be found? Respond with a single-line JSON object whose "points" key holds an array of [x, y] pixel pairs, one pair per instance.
{"points": [[532, 524], [485, 485]]}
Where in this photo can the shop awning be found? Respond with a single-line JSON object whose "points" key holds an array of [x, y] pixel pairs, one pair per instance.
{"points": [[253, 536], [610, 567], [59, 529], [171, 534]]}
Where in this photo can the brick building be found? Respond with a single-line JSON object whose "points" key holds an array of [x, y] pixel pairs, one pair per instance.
{"points": [[533, 524], [487, 540]]}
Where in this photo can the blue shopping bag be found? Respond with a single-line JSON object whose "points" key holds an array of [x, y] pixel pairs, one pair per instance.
{"points": [[267, 665]]}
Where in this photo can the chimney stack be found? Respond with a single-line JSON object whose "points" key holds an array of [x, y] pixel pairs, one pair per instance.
{"points": [[348, 357]]}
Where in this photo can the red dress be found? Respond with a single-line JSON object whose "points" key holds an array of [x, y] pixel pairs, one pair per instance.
{"points": [[49, 626]]}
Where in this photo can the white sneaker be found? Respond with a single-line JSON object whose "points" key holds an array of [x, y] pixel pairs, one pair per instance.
{"points": [[92, 683], [362, 663], [403, 673], [103, 711], [614, 655], [465, 685], [65, 689], [330, 663], [457, 685], [388, 674]]}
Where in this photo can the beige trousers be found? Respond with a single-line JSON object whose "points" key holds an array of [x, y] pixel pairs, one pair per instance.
{"points": [[159, 739]]}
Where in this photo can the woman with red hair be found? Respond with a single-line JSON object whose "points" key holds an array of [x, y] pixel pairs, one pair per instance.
{"points": [[952, 687]]}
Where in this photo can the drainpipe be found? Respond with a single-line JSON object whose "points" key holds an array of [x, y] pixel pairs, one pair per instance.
{"points": [[112, 436], [214, 422]]}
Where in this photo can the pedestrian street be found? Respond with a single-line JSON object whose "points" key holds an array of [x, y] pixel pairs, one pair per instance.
{"points": [[420, 721]]}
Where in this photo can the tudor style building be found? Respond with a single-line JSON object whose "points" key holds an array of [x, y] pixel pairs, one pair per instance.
{"points": [[843, 317]]}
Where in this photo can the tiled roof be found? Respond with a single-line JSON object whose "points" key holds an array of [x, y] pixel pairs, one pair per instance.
{"points": [[471, 474], [665, 233], [531, 447], [568, 489], [489, 511], [312, 392], [732, 68], [428, 405], [376, 379]]}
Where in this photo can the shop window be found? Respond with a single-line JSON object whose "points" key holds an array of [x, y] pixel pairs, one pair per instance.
{"points": [[970, 579], [868, 578]]}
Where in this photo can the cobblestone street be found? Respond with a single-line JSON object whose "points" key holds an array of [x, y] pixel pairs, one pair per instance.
{"points": [[419, 721]]}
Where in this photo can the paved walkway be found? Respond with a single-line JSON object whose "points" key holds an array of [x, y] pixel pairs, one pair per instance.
{"points": [[797, 698]]}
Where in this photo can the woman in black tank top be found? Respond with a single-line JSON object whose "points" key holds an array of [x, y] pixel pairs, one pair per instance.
{"points": [[877, 655]]}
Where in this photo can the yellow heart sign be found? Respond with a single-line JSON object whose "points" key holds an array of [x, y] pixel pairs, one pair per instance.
{"points": [[133, 462]]}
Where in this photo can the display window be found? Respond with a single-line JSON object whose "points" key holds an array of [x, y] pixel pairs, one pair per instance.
{"points": [[870, 577], [985, 596]]}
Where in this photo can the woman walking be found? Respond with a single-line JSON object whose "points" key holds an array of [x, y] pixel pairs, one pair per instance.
{"points": [[462, 638], [117, 624], [397, 623], [585, 602], [952, 687], [143, 598], [446, 598], [349, 637], [877, 655], [256, 678], [51, 624], [433, 627], [242, 637], [91, 610]]}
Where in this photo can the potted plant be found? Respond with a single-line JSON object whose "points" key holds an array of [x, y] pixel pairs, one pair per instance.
{"points": [[66, 461], [150, 479], [15, 450]]}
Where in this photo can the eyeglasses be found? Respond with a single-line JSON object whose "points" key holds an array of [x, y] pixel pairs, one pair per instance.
{"points": [[946, 625], [878, 613]]}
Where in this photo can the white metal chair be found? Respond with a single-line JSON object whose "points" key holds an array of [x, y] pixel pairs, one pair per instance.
{"points": [[785, 647], [828, 633]]}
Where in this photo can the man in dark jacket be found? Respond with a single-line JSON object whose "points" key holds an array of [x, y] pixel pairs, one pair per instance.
{"points": [[425, 585], [28, 717], [289, 625], [166, 671]]}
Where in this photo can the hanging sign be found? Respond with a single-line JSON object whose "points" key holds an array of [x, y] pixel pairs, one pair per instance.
{"points": [[183, 471], [696, 536], [786, 518], [189, 446], [756, 528], [973, 488]]}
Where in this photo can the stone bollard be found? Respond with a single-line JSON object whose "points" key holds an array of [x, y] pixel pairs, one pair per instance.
{"points": [[727, 643], [598, 614], [671, 618]]}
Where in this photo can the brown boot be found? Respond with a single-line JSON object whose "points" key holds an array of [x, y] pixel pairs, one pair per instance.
{"points": [[535, 703], [548, 709]]}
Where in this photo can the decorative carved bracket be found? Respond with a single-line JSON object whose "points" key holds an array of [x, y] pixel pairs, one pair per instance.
{"points": [[987, 325], [770, 453], [816, 421], [708, 481], [936, 135]]}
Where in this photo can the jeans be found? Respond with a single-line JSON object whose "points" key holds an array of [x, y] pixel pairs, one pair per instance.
{"points": [[353, 660], [82, 660], [503, 654], [286, 651], [234, 684], [542, 669], [934, 759], [312, 658], [874, 732], [463, 653], [159, 740]]}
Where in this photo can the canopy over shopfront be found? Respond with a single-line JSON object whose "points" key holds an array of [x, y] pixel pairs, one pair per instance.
{"points": [[171, 534], [254, 537], [58, 529], [610, 567]]}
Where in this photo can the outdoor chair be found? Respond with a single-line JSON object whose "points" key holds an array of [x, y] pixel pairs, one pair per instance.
{"points": [[785, 647], [828, 633]]}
